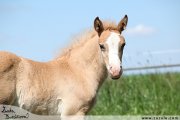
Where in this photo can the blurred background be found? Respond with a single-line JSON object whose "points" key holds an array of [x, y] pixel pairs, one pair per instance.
{"points": [[38, 30]]}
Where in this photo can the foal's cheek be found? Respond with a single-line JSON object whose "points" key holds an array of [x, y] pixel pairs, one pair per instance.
{"points": [[106, 59], [120, 56]]}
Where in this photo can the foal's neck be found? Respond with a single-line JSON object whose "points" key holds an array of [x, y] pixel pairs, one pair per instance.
{"points": [[88, 59]]}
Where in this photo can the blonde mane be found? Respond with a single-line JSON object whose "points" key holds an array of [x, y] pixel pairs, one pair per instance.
{"points": [[83, 37]]}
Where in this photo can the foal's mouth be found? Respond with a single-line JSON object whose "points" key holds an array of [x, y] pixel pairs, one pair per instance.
{"points": [[116, 77]]}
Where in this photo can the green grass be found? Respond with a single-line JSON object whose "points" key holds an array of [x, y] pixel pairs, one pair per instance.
{"points": [[150, 94]]}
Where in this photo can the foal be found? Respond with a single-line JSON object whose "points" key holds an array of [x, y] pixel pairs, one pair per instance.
{"points": [[67, 85]]}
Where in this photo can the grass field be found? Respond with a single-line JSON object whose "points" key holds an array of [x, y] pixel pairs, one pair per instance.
{"points": [[150, 94]]}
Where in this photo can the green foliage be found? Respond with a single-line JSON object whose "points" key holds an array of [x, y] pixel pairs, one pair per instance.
{"points": [[149, 94]]}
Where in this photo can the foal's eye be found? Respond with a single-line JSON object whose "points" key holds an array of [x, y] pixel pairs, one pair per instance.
{"points": [[123, 45], [102, 47]]}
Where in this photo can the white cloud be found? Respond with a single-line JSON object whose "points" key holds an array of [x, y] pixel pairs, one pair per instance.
{"points": [[140, 30]]}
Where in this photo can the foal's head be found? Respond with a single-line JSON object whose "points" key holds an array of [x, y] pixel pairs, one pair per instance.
{"points": [[112, 43]]}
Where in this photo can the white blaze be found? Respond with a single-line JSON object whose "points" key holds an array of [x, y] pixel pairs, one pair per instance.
{"points": [[113, 53]]}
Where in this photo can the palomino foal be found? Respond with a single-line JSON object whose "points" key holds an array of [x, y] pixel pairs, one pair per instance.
{"points": [[67, 85]]}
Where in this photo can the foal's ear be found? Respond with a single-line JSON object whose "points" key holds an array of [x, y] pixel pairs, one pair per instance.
{"points": [[122, 24], [98, 26]]}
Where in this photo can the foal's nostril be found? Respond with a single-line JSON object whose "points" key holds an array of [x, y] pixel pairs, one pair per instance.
{"points": [[110, 68]]}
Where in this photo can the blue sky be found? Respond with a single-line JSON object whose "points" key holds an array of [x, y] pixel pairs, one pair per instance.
{"points": [[39, 29]]}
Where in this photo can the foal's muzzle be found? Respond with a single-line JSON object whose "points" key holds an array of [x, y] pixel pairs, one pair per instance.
{"points": [[115, 72]]}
